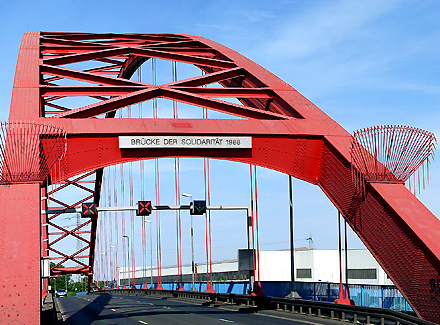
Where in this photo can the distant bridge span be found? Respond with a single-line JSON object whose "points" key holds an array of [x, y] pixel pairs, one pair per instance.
{"points": [[289, 134]]}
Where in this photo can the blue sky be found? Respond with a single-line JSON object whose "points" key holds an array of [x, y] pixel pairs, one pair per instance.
{"points": [[364, 63]]}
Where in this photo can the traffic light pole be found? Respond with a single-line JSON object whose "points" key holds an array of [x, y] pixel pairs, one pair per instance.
{"points": [[193, 288]]}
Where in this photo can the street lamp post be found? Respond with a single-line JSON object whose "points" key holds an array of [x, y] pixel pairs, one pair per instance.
{"points": [[193, 288], [113, 269], [103, 269], [128, 262], [151, 253]]}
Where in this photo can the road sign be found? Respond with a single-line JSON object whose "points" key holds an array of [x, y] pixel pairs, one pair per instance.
{"points": [[143, 208], [88, 210], [198, 207]]}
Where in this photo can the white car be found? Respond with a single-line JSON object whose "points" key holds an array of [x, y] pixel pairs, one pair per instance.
{"points": [[61, 293]]}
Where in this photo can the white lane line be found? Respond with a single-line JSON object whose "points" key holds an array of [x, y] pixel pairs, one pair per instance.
{"points": [[142, 322], [226, 320]]}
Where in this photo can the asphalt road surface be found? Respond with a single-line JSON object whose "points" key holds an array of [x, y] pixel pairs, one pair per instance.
{"points": [[129, 310]]}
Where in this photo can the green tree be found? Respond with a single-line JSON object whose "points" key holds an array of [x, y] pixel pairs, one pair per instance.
{"points": [[59, 282], [80, 285]]}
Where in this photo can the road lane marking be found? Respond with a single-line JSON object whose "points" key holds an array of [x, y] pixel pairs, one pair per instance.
{"points": [[142, 322], [226, 320]]}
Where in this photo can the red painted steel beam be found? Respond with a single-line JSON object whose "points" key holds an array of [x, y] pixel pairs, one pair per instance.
{"points": [[218, 105], [20, 246], [188, 51], [75, 58], [196, 60], [63, 232], [47, 91], [229, 92], [71, 270], [60, 258], [181, 44], [103, 69], [62, 43], [20, 237], [88, 76], [101, 36], [272, 128], [111, 104], [70, 49], [209, 78], [169, 93]]}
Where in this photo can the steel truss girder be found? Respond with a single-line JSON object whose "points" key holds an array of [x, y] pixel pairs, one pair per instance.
{"points": [[290, 134], [84, 228]]}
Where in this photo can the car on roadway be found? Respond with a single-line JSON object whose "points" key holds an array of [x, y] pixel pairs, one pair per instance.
{"points": [[62, 293]]}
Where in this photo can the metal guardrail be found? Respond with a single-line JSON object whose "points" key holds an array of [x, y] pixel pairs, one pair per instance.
{"points": [[354, 314]]}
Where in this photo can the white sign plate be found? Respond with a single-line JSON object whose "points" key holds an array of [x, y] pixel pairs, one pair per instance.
{"points": [[186, 142]]}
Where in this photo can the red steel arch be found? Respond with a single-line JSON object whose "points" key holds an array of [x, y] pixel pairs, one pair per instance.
{"points": [[290, 134]]}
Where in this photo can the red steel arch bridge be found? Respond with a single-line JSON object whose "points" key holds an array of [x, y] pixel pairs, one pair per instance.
{"points": [[48, 141]]}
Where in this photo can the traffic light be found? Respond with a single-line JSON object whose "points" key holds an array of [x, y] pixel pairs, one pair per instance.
{"points": [[198, 207], [143, 208], [89, 210]]}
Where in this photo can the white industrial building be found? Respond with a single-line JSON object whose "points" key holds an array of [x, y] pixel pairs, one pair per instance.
{"points": [[311, 265]]}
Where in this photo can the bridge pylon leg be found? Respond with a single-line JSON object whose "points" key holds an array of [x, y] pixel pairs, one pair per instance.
{"points": [[20, 245]]}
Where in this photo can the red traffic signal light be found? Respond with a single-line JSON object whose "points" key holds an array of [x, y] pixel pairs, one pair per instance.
{"points": [[143, 208], [89, 210]]}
